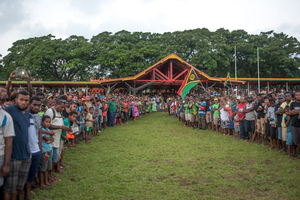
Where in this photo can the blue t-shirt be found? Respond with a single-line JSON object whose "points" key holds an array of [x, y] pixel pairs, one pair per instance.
{"points": [[79, 108], [46, 147], [203, 104], [289, 128], [279, 117], [20, 144]]}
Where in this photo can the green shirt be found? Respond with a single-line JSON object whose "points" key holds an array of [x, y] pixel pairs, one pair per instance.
{"points": [[112, 106], [187, 110], [217, 111], [66, 123], [195, 109]]}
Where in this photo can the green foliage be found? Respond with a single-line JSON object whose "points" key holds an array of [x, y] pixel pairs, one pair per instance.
{"points": [[157, 157], [125, 54]]}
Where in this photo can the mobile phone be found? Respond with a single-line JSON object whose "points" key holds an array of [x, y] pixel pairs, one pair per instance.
{"points": [[19, 73]]}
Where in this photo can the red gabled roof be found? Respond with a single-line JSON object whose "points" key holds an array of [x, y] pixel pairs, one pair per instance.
{"points": [[171, 56]]}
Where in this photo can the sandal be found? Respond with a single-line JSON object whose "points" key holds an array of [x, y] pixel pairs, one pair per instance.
{"points": [[35, 187], [46, 187]]}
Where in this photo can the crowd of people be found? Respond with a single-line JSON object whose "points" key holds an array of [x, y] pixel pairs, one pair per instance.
{"points": [[37, 128], [267, 119]]}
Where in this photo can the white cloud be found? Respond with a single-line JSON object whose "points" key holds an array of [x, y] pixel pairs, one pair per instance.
{"points": [[33, 18]]}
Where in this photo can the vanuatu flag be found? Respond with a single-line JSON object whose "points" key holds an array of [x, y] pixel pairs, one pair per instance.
{"points": [[189, 82], [227, 79], [108, 90]]}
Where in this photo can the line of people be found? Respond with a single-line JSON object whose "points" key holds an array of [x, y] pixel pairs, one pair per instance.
{"points": [[272, 119], [35, 131]]}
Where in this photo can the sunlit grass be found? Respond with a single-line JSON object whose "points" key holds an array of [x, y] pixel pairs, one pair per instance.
{"points": [[157, 157]]}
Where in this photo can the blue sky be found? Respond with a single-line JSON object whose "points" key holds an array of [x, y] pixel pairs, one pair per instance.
{"points": [[33, 18]]}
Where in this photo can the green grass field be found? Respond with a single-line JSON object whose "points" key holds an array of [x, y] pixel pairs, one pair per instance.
{"points": [[157, 157]]}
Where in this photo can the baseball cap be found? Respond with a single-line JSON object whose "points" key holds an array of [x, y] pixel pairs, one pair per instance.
{"points": [[216, 99], [280, 96]]}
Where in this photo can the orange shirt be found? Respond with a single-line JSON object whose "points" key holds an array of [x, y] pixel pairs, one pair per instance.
{"points": [[104, 112]]}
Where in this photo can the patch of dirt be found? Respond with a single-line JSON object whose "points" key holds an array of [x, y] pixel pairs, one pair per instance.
{"points": [[183, 182], [169, 161]]}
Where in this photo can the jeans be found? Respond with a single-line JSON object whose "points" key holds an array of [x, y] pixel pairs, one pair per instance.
{"points": [[243, 131], [112, 116]]}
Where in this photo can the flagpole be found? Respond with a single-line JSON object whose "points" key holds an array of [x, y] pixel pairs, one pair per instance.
{"points": [[258, 71], [235, 66]]}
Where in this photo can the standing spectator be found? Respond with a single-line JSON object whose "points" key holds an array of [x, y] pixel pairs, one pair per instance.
{"points": [[21, 158], [35, 141], [7, 133], [201, 112], [242, 115], [3, 94], [216, 115], [272, 119], [100, 113], [261, 130], [208, 114], [284, 106], [250, 118], [57, 126], [295, 113], [112, 112], [280, 100]]}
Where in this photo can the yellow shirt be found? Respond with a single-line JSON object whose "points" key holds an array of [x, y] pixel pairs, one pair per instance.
{"points": [[283, 115], [89, 116]]}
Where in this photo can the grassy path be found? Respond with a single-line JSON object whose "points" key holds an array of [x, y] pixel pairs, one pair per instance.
{"points": [[157, 157]]}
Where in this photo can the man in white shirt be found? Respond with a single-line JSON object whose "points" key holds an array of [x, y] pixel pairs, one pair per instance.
{"points": [[34, 139], [7, 133], [57, 126]]}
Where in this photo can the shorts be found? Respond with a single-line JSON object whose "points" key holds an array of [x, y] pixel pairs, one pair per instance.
{"points": [[273, 132], [279, 130], [104, 119], [231, 124], [82, 128], [250, 126], [187, 117], [61, 147], [35, 162], [55, 154], [182, 115], [268, 134], [289, 138], [284, 133], [225, 124], [216, 119], [88, 129], [261, 128], [1, 164], [96, 127], [296, 134], [46, 162], [208, 117], [18, 175], [193, 118], [237, 128]]}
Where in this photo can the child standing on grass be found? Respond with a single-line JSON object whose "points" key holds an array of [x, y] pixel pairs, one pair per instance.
{"points": [[289, 141], [46, 161], [88, 125], [96, 123]]}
